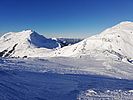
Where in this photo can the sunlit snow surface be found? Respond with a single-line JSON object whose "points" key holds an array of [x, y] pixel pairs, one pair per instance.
{"points": [[65, 79]]}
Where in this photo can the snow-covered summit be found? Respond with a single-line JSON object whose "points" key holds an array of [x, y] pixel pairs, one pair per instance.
{"points": [[116, 41], [31, 37], [25, 43], [126, 25], [126, 22]]}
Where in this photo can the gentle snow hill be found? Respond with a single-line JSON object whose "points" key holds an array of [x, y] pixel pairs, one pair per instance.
{"points": [[115, 42], [26, 43]]}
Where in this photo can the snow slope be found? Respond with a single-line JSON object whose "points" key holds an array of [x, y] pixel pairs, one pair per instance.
{"points": [[23, 85], [96, 72], [116, 41], [26, 43], [37, 79]]}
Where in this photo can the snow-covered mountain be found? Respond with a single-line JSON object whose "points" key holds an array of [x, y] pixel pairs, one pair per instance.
{"points": [[116, 41], [87, 70], [26, 43]]}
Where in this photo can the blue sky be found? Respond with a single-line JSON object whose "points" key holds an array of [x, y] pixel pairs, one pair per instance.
{"points": [[63, 18]]}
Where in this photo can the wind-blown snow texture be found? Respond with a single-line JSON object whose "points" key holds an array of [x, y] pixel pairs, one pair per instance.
{"points": [[97, 68], [37, 79]]}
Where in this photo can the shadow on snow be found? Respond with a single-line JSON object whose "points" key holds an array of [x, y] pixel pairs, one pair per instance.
{"points": [[23, 85]]}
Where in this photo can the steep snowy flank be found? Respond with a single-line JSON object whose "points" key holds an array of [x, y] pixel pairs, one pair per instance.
{"points": [[26, 43], [116, 41]]}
